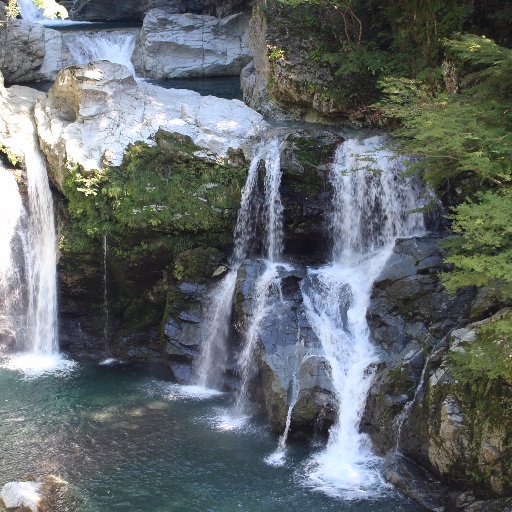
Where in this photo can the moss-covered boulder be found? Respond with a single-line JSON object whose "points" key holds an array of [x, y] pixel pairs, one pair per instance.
{"points": [[139, 231]]}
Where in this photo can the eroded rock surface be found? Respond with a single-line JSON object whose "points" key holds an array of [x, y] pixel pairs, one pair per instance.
{"points": [[190, 45]]}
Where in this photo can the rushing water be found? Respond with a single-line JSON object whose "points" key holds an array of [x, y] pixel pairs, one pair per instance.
{"points": [[126, 441], [14, 259], [29, 277], [370, 210], [213, 357], [115, 46]]}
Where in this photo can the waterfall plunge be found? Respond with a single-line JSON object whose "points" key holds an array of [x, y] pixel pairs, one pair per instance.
{"points": [[369, 211], [32, 262], [212, 361]]}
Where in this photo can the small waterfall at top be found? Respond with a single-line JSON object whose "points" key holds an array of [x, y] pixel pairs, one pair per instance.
{"points": [[213, 358], [370, 209], [116, 47], [30, 12]]}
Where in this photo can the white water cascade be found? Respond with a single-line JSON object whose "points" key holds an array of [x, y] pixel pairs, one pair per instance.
{"points": [[370, 209], [30, 12], [213, 357], [14, 259], [34, 269], [114, 46], [269, 281]]}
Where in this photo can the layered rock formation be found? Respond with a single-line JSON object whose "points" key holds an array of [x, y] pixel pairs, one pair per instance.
{"points": [[284, 82], [190, 45]]}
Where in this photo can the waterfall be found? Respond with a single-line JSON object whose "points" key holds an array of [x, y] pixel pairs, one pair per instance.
{"points": [[106, 320], [269, 281], [34, 303], [116, 47], [43, 276], [212, 360], [30, 12], [370, 209], [14, 259]]}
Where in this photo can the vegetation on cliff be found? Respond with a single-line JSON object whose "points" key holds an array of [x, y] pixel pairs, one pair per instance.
{"points": [[440, 75]]}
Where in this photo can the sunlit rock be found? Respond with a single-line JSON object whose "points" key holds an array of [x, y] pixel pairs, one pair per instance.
{"points": [[191, 45], [94, 111], [22, 494]]}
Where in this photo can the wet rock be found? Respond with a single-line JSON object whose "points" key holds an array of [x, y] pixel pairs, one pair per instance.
{"points": [[212, 46], [415, 482], [409, 313], [287, 360]]}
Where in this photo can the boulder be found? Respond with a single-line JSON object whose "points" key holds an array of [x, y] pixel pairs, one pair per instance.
{"points": [[93, 112], [22, 494], [191, 45]]}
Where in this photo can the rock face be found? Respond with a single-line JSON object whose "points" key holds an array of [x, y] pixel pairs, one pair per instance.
{"points": [[190, 45], [30, 52], [415, 404], [98, 10], [89, 118], [284, 82], [410, 312]]}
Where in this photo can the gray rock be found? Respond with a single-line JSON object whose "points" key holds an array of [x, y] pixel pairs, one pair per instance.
{"points": [[415, 482], [191, 45], [289, 357]]}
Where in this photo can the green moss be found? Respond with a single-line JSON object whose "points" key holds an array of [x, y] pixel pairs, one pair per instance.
{"points": [[196, 264]]}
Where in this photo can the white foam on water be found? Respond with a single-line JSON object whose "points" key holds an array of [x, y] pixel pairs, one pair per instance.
{"points": [[276, 459], [33, 365], [110, 361]]}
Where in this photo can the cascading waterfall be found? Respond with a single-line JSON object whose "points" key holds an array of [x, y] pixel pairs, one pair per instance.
{"points": [[116, 47], [36, 309], [212, 360], [370, 209], [269, 280], [14, 260], [213, 357], [30, 12], [106, 326], [43, 278]]}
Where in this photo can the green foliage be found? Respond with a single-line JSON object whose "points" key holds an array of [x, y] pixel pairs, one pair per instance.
{"points": [[483, 252], [159, 192], [489, 357], [465, 144]]}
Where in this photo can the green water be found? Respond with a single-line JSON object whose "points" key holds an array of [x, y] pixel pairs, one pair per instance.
{"points": [[126, 441]]}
